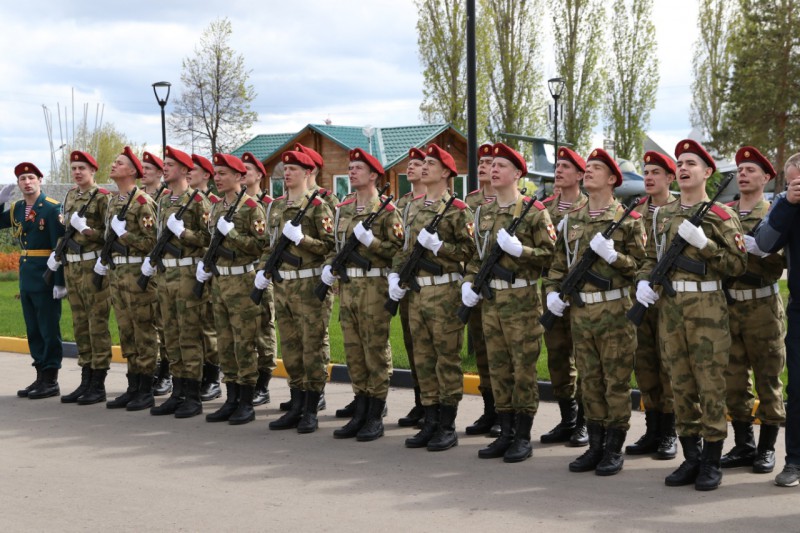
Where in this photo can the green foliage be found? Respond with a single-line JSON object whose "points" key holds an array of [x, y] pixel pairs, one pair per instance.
{"points": [[105, 144]]}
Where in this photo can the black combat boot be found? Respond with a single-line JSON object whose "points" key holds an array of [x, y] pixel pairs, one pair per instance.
{"points": [[488, 419], [580, 436], [521, 448], [351, 429], [86, 379], [765, 458], [174, 401], [191, 405], [231, 403], [668, 439], [421, 439], [308, 422], [261, 393], [647, 443], [322, 404], [445, 437], [415, 415], [373, 428], [499, 446], [293, 414], [612, 454], [210, 390], [96, 392], [162, 381], [48, 386], [743, 452], [143, 398], [686, 473], [563, 431], [710, 475], [121, 401], [591, 457], [23, 393], [348, 410], [244, 412]]}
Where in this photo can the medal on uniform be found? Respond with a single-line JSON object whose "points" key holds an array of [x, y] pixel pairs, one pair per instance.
{"points": [[41, 224]]}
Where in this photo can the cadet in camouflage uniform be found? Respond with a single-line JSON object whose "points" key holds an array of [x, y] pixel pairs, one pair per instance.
{"points": [[510, 323], [757, 326], [183, 311], [693, 325], [567, 196], [438, 333], [90, 307], [134, 309], [604, 339], [302, 338], [651, 372]]}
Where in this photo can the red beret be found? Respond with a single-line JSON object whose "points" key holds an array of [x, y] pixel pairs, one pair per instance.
{"points": [[84, 157], [248, 157], [694, 147], [297, 158], [313, 154], [416, 153], [358, 154], [443, 156], [147, 157], [565, 154], [655, 158], [181, 157], [506, 152], [127, 152], [230, 161], [27, 168], [204, 163], [485, 150], [598, 154], [749, 154]]}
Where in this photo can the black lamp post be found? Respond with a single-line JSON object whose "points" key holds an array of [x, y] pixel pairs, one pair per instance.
{"points": [[162, 101], [556, 86]]}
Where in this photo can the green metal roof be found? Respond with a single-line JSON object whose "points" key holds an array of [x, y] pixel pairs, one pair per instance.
{"points": [[263, 146], [397, 141]]}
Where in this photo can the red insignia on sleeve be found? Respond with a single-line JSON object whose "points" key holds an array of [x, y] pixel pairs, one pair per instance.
{"points": [[551, 231], [636, 215], [251, 203], [739, 242], [103, 191], [198, 197], [205, 218], [720, 212], [327, 224], [260, 226], [142, 199], [539, 205], [397, 229], [147, 222], [316, 201], [470, 228], [458, 204]]}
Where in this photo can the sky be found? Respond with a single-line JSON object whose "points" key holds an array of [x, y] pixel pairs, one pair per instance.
{"points": [[354, 62]]}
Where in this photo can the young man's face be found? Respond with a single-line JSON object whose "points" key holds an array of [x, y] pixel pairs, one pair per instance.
{"points": [[82, 174], [151, 174], [485, 169], [174, 172], [567, 175], [360, 175], [433, 171], [751, 178], [656, 179], [504, 173], [692, 172], [198, 178], [414, 170], [598, 177], [226, 179], [30, 185], [252, 177], [295, 176], [122, 167]]}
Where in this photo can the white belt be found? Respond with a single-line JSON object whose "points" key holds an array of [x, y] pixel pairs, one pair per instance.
{"points": [[439, 280], [301, 274], [500, 285], [355, 272], [754, 294], [235, 270], [603, 296], [74, 258], [697, 286], [126, 260], [185, 261]]}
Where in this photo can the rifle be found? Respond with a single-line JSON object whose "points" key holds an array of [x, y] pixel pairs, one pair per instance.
{"points": [[67, 240], [280, 254], [415, 262], [111, 245], [163, 245], [490, 268], [215, 248], [348, 252], [673, 258], [581, 272]]}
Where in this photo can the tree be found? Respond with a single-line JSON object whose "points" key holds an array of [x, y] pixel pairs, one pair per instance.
{"points": [[579, 53], [214, 108], [104, 144], [633, 76]]}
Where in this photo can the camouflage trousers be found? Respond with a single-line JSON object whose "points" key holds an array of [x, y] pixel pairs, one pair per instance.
{"points": [[561, 357], [651, 372], [693, 328], [757, 331], [365, 327], [407, 339], [159, 325], [183, 321], [478, 344], [135, 311], [438, 337], [303, 325], [605, 341], [90, 309], [514, 342], [267, 343], [238, 321], [210, 353]]}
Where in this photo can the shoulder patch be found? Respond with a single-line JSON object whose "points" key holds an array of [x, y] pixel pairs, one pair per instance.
{"points": [[316, 202], [549, 199], [103, 191], [51, 200], [346, 202], [281, 197], [267, 199], [141, 198], [198, 197], [418, 197], [643, 200], [458, 204], [476, 191], [250, 203], [539, 205], [409, 193], [390, 206], [636, 215], [214, 199], [720, 212], [167, 192], [731, 204]]}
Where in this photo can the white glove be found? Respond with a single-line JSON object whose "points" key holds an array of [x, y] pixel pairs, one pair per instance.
{"points": [[201, 275], [429, 240], [177, 227], [7, 192], [469, 297], [119, 226], [751, 246], [693, 234], [224, 226], [645, 294], [555, 304], [262, 281], [327, 276], [100, 268], [52, 264], [509, 243], [59, 292], [396, 292], [78, 222], [148, 269], [603, 247], [364, 235], [293, 233]]}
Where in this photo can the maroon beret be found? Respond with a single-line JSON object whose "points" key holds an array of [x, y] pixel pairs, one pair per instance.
{"points": [[297, 158], [84, 157], [565, 154], [154, 160], [313, 154], [655, 158], [485, 150], [127, 152], [598, 154], [248, 157], [416, 153], [749, 154], [694, 147], [204, 163], [443, 156], [27, 168], [506, 152], [181, 157], [358, 154], [230, 161]]}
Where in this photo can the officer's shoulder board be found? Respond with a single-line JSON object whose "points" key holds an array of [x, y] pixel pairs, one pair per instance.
{"points": [[51, 200], [346, 202], [549, 199], [720, 212], [250, 203], [458, 204], [103, 191], [198, 197], [214, 199]]}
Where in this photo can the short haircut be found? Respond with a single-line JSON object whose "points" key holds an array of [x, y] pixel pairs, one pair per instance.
{"points": [[793, 161]]}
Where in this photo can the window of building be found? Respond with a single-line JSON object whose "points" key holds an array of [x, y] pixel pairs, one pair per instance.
{"points": [[341, 185], [460, 186], [276, 187], [403, 185]]}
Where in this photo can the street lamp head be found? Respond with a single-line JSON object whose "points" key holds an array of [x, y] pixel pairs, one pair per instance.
{"points": [[556, 86], [159, 86]]}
